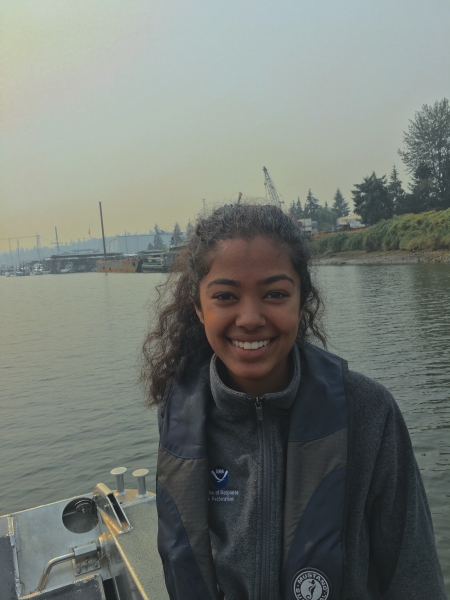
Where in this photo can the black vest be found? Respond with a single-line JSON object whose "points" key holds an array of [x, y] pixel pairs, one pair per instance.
{"points": [[315, 489]]}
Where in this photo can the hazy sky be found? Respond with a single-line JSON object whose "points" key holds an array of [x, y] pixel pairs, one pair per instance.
{"points": [[150, 106]]}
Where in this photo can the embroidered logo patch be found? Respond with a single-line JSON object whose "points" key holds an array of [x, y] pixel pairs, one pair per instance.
{"points": [[311, 584], [219, 477]]}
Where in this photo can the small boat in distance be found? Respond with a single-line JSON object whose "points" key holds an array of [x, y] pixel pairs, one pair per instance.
{"points": [[68, 268], [39, 269]]}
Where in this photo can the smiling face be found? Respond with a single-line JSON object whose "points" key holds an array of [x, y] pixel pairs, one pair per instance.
{"points": [[250, 308]]}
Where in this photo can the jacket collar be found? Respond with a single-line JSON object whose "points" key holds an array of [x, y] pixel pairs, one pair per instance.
{"points": [[237, 404]]}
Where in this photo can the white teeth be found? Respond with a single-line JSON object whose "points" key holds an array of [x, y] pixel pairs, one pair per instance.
{"points": [[250, 345]]}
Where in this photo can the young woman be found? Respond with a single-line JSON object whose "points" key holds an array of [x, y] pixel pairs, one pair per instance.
{"points": [[281, 474]]}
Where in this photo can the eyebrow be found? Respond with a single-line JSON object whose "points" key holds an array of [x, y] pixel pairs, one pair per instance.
{"points": [[267, 281], [222, 281], [275, 278]]}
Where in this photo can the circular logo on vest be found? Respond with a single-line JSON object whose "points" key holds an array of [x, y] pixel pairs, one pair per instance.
{"points": [[219, 477], [311, 584]]}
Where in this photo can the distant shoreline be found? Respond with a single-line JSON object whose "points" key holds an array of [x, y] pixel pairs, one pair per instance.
{"points": [[389, 257]]}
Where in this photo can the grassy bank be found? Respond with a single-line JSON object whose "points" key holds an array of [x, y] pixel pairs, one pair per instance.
{"points": [[425, 231]]}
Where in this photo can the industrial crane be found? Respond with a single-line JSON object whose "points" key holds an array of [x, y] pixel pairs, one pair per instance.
{"points": [[271, 189]]}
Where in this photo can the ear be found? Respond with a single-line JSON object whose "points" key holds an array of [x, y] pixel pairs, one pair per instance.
{"points": [[200, 315]]}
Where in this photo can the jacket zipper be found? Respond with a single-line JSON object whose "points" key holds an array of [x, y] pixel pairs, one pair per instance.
{"points": [[266, 509]]}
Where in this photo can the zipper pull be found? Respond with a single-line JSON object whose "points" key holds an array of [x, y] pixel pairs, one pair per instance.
{"points": [[259, 409]]}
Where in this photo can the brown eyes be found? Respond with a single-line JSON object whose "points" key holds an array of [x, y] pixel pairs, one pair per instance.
{"points": [[224, 297], [275, 295]]}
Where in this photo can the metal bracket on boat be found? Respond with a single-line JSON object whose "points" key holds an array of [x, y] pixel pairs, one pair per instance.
{"points": [[85, 558], [107, 502]]}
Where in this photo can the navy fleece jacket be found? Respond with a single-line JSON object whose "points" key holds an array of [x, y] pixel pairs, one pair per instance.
{"points": [[389, 542]]}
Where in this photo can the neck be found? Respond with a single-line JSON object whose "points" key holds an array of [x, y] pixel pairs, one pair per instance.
{"points": [[276, 381]]}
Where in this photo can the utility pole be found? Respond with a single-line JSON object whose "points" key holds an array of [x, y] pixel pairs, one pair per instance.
{"points": [[57, 242], [103, 232]]}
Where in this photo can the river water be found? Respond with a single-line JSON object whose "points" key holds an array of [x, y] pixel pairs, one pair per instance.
{"points": [[71, 408]]}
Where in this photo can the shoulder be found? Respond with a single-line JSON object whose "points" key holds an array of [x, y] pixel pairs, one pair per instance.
{"points": [[367, 395], [375, 412]]}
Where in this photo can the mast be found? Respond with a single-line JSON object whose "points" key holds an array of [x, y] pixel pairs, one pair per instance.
{"points": [[18, 252], [103, 232], [10, 252], [57, 242], [37, 247]]}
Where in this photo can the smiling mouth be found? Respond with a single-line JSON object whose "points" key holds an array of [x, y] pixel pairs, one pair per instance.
{"points": [[251, 345]]}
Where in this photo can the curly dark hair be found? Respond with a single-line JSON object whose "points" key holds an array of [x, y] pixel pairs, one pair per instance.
{"points": [[177, 343]]}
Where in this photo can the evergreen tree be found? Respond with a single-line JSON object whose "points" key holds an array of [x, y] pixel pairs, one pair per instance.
{"points": [[427, 155], [372, 200], [189, 229], [396, 192], [177, 237], [424, 194], [292, 210], [326, 218], [158, 243], [296, 209], [340, 205], [311, 207]]}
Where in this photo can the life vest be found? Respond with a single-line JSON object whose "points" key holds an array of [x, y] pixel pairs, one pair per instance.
{"points": [[315, 489]]}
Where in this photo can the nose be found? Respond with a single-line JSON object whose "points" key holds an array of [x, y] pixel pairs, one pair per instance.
{"points": [[250, 315]]}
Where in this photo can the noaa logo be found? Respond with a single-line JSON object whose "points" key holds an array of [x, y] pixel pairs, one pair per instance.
{"points": [[311, 584], [219, 477]]}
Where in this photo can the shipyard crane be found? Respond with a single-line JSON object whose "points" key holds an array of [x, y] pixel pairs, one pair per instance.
{"points": [[271, 189]]}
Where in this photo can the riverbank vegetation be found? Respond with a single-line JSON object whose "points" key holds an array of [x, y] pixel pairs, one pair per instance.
{"points": [[413, 232]]}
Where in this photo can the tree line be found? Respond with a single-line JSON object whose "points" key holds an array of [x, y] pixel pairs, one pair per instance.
{"points": [[324, 215], [426, 155]]}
